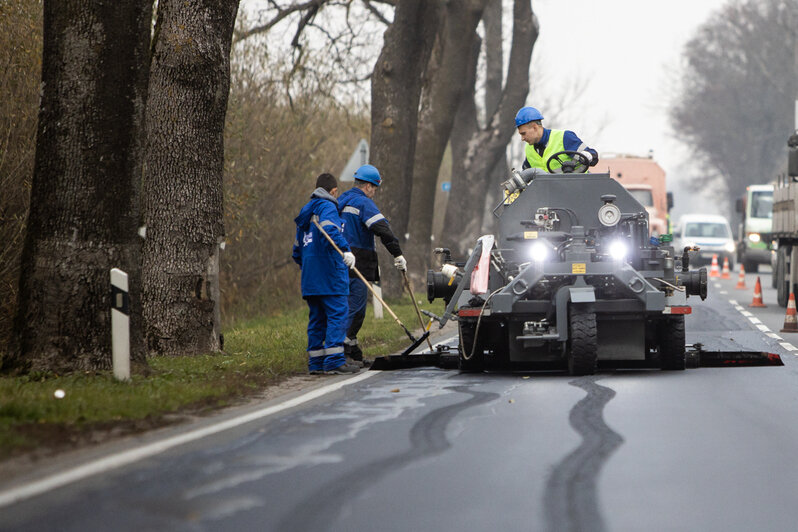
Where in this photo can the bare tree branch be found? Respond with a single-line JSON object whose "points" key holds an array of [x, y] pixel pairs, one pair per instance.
{"points": [[303, 22], [376, 12], [282, 13]]}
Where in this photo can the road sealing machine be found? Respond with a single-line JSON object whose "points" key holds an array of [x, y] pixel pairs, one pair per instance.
{"points": [[571, 280]]}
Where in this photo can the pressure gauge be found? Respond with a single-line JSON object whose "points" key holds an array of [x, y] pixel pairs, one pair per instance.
{"points": [[609, 215]]}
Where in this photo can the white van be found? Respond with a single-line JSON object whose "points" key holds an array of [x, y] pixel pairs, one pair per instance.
{"points": [[711, 233]]}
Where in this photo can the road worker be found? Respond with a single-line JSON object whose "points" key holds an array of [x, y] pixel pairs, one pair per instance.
{"points": [[542, 143], [362, 221], [325, 282]]}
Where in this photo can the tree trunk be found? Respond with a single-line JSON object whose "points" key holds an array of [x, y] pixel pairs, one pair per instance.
{"points": [[183, 212], [494, 63], [85, 202], [465, 128], [395, 92], [487, 146], [441, 95]]}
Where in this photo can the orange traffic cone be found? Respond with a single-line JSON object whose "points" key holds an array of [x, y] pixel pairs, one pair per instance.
{"points": [[725, 274], [713, 271], [741, 279], [757, 302], [790, 320]]}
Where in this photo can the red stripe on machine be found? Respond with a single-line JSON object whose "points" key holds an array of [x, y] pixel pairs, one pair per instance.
{"points": [[678, 310], [469, 312]]}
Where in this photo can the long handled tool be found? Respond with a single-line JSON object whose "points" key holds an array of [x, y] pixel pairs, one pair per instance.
{"points": [[415, 305], [416, 342]]}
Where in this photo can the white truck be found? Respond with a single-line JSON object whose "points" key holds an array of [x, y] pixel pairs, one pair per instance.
{"points": [[754, 239]]}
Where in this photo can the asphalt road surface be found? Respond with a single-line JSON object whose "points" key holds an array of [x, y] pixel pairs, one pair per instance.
{"points": [[707, 449]]}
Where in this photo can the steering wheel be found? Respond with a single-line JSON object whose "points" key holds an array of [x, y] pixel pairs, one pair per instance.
{"points": [[577, 165]]}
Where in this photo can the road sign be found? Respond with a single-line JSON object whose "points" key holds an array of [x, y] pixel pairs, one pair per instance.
{"points": [[359, 157]]}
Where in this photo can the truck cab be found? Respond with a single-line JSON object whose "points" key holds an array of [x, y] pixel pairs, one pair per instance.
{"points": [[756, 226]]}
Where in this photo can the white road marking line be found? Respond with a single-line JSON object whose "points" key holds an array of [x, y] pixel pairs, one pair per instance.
{"points": [[734, 302], [754, 320], [746, 313], [788, 346], [717, 285], [128, 457], [723, 292], [763, 328], [774, 335]]}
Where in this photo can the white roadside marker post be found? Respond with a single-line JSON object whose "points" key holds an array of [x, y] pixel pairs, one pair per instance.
{"points": [[120, 325], [375, 302]]}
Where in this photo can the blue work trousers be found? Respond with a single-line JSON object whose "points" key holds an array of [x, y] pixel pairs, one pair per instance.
{"points": [[326, 332], [358, 296]]}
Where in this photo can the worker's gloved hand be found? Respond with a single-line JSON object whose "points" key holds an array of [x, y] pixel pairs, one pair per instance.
{"points": [[588, 156], [349, 260], [400, 263]]}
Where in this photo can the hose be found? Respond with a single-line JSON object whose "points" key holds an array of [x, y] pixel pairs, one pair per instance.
{"points": [[479, 321]]}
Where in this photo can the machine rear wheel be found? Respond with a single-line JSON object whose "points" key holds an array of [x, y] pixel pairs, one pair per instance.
{"points": [[475, 363], [671, 344], [583, 342]]}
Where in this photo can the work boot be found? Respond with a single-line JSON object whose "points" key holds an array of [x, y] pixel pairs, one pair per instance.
{"points": [[353, 362], [343, 369], [355, 353]]}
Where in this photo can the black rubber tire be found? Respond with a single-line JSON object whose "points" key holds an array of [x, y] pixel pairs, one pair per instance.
{"points": [[750, 266], [671, 344], [476, 363], [583, 341], [773, 276], [782, 286]]}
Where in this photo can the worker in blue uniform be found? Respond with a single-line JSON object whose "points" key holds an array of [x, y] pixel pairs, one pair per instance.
{"points": [[325, 282], [542, 143], [362, 221]]}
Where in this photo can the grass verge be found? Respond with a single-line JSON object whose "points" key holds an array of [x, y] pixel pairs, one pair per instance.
{"points": [[94, 407]]}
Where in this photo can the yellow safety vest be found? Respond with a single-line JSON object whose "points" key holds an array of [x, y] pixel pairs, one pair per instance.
{"points": [[554, 145]]}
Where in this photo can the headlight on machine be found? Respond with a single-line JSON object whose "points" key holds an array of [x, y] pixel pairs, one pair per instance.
{"points": [[539, 251], [754, 237], [729, 247], [618, 249]]}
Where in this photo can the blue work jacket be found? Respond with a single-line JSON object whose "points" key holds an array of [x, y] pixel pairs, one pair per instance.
{"points": [[362, 221], [323, 270]]}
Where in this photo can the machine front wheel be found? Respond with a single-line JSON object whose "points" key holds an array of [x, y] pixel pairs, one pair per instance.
{"points": [[583, 342], [671, 344]]}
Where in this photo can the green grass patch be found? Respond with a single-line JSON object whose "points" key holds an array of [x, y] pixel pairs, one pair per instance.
{"points": [[256, 353]]}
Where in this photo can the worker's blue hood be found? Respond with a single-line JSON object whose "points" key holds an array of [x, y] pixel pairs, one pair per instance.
{"points": [[303, 219]]}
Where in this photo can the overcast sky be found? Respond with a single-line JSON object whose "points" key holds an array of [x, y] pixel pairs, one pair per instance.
{"points": [[629, 50]]}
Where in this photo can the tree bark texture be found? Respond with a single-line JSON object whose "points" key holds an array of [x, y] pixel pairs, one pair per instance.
{"points": [[395, 94], [465, 128], [486, 147], [441, 93], [183, 211], [85, 201], [494, 63]]}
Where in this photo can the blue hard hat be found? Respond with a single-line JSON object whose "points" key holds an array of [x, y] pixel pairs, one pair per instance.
{"points": [[369, 174], [526, 115]]}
